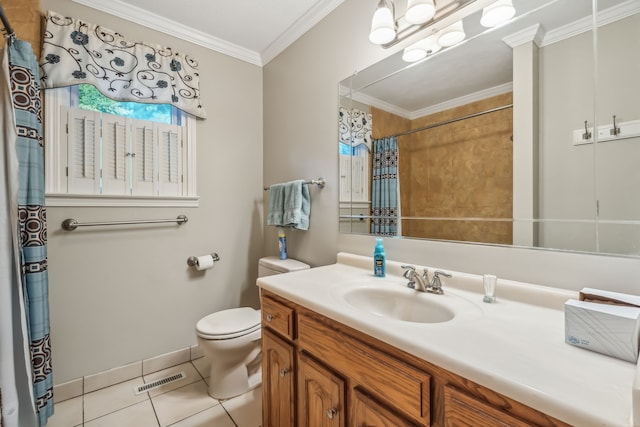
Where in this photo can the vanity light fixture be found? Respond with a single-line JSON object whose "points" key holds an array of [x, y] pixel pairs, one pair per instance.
{"points": [[421, 49], [497, 13], [419, 11], [451, 35], [383, 26]]}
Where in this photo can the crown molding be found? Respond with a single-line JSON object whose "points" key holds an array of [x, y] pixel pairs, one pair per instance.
{"points": [[607, 16], [300, 27], [168, 26], [383, 105], [173, 28], [412, 115], [463, 100], [534, 33]]}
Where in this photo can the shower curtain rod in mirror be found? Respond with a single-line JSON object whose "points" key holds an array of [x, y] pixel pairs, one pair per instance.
{"points": [[5, 21], [446, 122]]}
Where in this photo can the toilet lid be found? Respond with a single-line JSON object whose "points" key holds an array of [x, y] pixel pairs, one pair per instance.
{"points": [[229, 323]]}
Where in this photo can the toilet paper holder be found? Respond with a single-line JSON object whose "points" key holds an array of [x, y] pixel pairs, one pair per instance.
{"points": [[192, 261]]}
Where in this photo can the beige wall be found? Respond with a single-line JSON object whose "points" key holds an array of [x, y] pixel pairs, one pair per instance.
{"points": [[119, 295], [300, 139]]}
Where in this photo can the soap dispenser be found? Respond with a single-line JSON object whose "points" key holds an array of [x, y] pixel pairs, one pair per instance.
{"points": [[379, 263]]}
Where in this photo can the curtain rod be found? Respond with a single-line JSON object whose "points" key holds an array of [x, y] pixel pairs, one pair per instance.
{"points": [[5, 22], [446, 122]]}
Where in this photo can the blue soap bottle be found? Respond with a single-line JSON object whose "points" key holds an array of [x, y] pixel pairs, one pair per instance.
{"points": [[282, 244], [379, 263]]}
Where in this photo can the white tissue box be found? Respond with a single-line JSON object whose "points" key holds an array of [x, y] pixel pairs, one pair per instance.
{"points": [[605, 322]]}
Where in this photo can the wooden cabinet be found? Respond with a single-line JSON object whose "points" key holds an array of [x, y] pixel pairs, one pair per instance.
{"points": [[461, 410], [321, 395], [366, 412], [318, 372], [277, 381]]}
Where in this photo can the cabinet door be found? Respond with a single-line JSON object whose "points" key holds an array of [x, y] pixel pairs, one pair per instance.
{"points": [[461, 410], [366, 412], [320, 395], [277, 377]]}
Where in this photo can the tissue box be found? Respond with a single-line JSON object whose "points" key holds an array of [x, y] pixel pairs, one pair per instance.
{"points": [[605, 322]]}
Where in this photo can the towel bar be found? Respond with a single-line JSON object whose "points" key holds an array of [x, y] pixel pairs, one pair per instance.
{"points": [[71, 224], [320, 182]]}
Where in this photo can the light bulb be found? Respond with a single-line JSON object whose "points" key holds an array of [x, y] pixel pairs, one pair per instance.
{"points": [[421, 49], [413, 54], [453, 34], [497, 13], [419, 11], [383, 25]]}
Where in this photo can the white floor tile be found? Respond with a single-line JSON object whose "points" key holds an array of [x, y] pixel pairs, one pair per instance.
{"points": [[138, 415], [182, 403], [67, 413], [203, 366], [111, 399], [212, 417], [246, 410], [189, 370]]}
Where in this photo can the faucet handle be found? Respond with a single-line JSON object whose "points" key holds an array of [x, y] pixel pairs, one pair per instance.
{"points": [[409, 274], [436, 283], [407, 270]]}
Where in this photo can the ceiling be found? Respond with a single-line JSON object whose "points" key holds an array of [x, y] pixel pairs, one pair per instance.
{"points": [[254, 31], [479, 67]]}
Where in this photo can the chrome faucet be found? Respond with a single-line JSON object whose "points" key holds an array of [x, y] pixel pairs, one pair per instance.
{"points": [[414, 278], [421, 283], [436, 283]]}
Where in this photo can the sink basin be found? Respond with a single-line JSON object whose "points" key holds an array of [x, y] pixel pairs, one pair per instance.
{"points": [[400, 304]]}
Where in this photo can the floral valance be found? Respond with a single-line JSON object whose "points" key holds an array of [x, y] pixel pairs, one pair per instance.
{"points": [[355, 127], [76, 52]]}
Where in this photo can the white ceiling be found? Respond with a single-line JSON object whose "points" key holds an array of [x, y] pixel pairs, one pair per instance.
{"points": [[255, 31]]}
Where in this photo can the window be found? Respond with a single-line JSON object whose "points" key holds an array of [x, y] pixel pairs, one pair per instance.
{"points": [[354, 173], [117, 153]]}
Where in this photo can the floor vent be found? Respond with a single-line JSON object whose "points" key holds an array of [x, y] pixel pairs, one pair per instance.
{"points": [[159, 383]]}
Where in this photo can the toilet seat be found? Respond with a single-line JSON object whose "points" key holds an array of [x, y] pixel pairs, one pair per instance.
{"points": [[230, 323]]}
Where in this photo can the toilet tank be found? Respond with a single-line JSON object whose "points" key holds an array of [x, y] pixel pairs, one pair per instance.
{"points": [[271, 265]]}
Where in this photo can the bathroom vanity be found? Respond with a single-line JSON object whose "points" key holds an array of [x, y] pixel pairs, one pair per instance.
{"points": [[344, 348]]}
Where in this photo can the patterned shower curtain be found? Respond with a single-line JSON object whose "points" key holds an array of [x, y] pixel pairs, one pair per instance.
{"points": [[25, 97], [384, 194]]}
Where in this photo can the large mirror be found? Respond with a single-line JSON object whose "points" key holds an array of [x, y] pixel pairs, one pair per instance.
{"points": [[505, 138]]}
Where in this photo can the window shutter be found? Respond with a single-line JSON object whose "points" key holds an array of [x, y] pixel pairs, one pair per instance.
{"points": [[170, 160], [83, 151], [345, 177], [115, 155], [144, 173]]}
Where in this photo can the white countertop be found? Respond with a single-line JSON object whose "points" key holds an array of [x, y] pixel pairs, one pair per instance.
{"points": [[514, 346]]}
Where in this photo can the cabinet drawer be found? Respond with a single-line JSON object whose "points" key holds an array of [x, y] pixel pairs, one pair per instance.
{"points": [[461, 410], [278, 317], [366, 412], [388, 379]]}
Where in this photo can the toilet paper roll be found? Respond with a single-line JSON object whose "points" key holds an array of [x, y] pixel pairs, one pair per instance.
{"points": [[204, 262]]}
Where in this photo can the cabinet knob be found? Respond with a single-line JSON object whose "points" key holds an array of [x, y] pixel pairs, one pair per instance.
{"points": [[270, 317], [331, 413], [283, 372]]}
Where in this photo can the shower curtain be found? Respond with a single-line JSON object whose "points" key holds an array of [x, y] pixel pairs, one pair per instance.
{"points": [[384, 194], [25, 356]]}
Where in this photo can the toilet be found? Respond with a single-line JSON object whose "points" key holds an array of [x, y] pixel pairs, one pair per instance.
{"points": [[230, 339]]}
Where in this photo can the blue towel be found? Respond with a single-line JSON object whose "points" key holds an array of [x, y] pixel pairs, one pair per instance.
{"points": [[289, 205], [297, 205], [276, 205]]}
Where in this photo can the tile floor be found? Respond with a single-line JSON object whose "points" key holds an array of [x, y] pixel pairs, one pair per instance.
{"points": [[184, 403]]}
